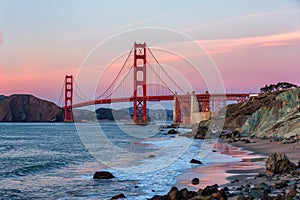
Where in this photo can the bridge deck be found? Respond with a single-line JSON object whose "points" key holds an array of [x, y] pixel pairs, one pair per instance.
{"points": [[159, 98]]}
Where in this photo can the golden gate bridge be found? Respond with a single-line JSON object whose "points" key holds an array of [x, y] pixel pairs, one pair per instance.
{"points": [[142, 79]]}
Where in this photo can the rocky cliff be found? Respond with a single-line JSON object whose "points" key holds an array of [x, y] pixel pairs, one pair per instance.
{"points": [[270, 115], [27, 108]]}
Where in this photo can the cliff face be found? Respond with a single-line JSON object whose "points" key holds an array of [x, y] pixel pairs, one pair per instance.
{"points": [[271, 115], [27, 108]]}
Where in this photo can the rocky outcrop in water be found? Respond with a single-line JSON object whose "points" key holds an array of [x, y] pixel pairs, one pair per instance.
{"points": [[103, 175], [27, 108]]}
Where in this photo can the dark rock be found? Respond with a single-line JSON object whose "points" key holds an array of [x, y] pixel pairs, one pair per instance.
{"points": [[231, 140], [172, 131], [278, 163], [200, 131], [258, 193], [235, 181], [267, 198], [247, 141], [214, 150], [195, 181], [235, 134], [264, 187], [103, 175], [185, 194], [27, 108], [209, 190], [172, 193], [119, 196], [292, 193], [261, 175], [194, 161], [245, 198], [159, 197], [280, 185]]}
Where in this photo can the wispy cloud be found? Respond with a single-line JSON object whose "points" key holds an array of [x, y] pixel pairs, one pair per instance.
{"points": [[239, 18], [221, 46]]}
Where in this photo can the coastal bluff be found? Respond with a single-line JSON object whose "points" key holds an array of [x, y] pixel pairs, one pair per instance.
{"points": [[27, 108], [268, 115]]}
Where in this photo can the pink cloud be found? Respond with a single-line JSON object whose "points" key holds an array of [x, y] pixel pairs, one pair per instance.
{"points": [[221, 46]]}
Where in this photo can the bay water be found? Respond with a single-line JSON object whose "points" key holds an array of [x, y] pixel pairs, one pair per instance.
{"points": [[58, 160]]}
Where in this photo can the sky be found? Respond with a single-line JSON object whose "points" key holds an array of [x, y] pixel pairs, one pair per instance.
{"points": [[252, 43]]}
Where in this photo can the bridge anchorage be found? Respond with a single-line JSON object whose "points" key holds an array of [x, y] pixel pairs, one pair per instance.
{"points": [[138, 76]]}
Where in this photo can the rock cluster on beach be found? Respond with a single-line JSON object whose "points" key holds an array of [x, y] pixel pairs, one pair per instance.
{"points": [[210, 192], [282, 182]]}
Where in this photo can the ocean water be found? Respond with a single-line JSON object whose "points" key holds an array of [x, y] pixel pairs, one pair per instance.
{"points": [[58, 160]]}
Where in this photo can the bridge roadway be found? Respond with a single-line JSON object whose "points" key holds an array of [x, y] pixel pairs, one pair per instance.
{"points": [[200, 97]]}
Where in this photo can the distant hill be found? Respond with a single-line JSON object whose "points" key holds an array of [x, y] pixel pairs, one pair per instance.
{"points": [[27, 108], [111, 114]]}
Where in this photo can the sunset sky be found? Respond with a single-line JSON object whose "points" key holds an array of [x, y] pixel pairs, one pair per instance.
{"points": [[253, 43]]}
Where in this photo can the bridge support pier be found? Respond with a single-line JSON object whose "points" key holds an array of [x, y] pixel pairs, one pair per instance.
{"points": [[68, 112], [188, 110], [140, 92]]}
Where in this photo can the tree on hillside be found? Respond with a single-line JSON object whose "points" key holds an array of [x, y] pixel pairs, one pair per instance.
{"points": [[277, 87]]}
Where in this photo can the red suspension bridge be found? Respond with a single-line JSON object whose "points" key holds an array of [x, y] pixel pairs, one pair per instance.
{"points": [[142, 79]]}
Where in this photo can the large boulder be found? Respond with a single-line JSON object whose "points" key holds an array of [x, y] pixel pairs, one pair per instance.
{"points": [[103, 175], [279, 163]]}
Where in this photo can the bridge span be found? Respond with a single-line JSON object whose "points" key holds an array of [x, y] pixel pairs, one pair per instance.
{"points": [[187, 107]]}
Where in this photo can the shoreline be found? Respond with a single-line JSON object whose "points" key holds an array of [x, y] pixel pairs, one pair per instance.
{"points": [[244, 173], [247, 163]]}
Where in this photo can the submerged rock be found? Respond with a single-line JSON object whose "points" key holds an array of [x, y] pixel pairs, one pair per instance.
{"points": [[279, 163], [103, 175]]}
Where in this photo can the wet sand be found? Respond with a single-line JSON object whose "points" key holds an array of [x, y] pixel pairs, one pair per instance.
{"points": [[247, 165], [234, 174], [267, 147]]}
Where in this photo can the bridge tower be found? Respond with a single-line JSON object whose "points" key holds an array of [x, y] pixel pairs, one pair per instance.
{"points": [[139, 84], [68, 112]]}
